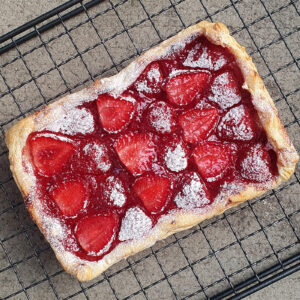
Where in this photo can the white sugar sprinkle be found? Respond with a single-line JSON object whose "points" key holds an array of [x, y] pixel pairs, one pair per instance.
{"points": [[153, 74], [221, 61], [204, 61], [223, 95], [176, 159], [56, 229], [193, 194], [71, 258], [176, 72], [115, 191], [73, 121], [254, 167], [98, 154], [161, 117], [142, 86], [237, 127], [58, 232], [134, 225], [55, 137], [129, 99], [93, 182]]}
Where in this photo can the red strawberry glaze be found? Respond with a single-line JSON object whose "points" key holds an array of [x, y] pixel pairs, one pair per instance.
{"points": [[146, 142]]}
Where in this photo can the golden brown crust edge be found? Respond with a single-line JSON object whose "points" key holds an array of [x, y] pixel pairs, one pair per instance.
{"points": [[217, 33]]}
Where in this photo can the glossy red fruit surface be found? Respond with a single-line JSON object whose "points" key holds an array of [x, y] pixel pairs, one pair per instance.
{"points": [[114, 114], [153, 191], [197, 124], [50, 152], [136, 151], [70, 197], [213, 158], [95, 233], [183, 88]]}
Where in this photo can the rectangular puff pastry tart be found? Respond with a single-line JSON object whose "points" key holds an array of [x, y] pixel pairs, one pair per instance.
{"points": [[183, 133]]}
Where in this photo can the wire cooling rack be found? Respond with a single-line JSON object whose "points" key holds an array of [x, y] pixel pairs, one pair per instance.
{"points": [[230, 256]]}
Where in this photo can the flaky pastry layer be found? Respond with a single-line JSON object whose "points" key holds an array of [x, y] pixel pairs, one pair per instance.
{"points": [[174, 221]]}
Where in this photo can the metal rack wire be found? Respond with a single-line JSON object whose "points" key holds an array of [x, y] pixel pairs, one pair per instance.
{"points": [[256, 244]]}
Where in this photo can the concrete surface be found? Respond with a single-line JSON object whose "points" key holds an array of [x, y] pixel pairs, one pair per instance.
{"points": [[35, 269]]}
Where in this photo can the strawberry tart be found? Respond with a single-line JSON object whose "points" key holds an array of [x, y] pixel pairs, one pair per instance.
{"points": [[183, 133]]}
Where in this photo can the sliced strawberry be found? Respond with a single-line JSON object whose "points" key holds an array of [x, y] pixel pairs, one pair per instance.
{"points": [[213, 158], [183, 88], [225, 90], [153, 191], [136, 151], [256, 164], [237, 125], [70, 197], [96, 233], [197, 124], [50, 152], [114, 114], [93, 157], [162, 117], [150, 81]]}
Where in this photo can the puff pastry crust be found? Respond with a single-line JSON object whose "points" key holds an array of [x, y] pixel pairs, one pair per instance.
{"points": [[216, 33]]}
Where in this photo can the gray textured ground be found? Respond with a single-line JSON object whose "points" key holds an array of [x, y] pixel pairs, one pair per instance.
{"points": [[20, 240]]}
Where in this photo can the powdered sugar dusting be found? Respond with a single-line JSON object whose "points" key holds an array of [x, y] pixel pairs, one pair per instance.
{"points": [[233, 125], [56, 229], [222, 93], [98, 153], [54, 136], [129, 99], [220, 62], [176, 72], [59, 232], [115, 191], [134, 225], [143, 87], [254, 167], [154, 75], [73, 259], [193, 194], [204, 60], [151, 83], [161, 117], [176, 159], [73, 121]]}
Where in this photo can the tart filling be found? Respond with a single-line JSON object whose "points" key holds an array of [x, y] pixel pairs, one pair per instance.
{"points": [[174, 140]]}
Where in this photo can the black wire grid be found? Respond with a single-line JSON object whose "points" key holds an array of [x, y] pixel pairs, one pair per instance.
{"points": [[230, 256]]}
